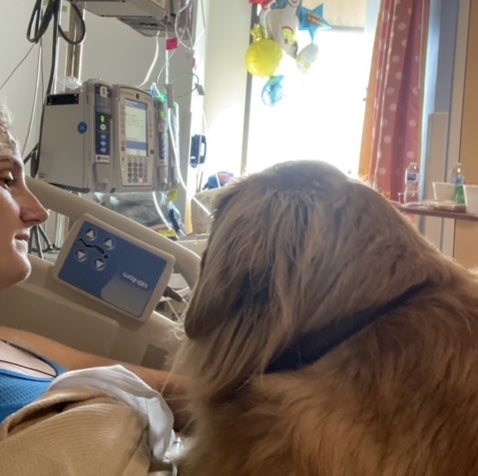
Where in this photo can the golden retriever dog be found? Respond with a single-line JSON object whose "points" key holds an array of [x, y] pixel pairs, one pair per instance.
{"points": [[326, 337]]}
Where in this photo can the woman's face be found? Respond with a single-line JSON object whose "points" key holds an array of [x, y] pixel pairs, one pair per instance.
{"points": [[19, 211]]}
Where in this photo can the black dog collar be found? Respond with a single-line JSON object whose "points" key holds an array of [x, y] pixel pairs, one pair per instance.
{"points": [[311, 347]]}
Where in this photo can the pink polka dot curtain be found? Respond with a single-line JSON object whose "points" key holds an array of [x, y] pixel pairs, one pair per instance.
{"points": [[393, 115]]}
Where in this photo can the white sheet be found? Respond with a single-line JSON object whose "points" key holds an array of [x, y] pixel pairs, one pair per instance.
{"points": [[134, 392]]}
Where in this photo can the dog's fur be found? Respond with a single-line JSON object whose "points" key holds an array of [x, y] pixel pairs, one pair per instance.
{"points": [[291, 250]]}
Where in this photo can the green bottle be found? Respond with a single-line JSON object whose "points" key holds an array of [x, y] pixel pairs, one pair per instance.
{"points": [[457, 177]]}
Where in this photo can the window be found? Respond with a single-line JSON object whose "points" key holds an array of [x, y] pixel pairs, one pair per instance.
{"points": [[321, 114]]}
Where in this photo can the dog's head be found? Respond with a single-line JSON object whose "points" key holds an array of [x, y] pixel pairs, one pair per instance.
{"points": [[291, 250]]}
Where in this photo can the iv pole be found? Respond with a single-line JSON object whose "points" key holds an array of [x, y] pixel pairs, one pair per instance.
{"points": [[72, 72], [74, 53]]}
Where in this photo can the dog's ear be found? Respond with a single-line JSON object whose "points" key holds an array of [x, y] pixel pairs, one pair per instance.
{"points": [[226, 292], [236, 267]]}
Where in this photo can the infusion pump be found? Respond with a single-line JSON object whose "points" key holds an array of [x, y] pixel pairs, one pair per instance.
{"points": [[103, 138]]}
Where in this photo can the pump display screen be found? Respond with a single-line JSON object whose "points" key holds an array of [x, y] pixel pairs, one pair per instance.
{"points": [[136, 127]]}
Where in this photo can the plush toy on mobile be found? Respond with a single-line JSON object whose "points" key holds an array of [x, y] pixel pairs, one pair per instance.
{"points": [[263, 58], [276, 34], [310, 20], [273, 91], [263, 55], [282, 23]]}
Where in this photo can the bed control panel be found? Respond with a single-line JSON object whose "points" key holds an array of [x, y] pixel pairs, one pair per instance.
{"points": [[108, 265]]}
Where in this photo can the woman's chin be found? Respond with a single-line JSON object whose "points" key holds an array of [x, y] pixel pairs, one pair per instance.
{"points": [[17, 273]]}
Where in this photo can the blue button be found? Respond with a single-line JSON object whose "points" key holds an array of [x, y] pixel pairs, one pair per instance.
{"points": [[81, 255], [109, 243], [99, 264], [82, 127], [90, 234]]}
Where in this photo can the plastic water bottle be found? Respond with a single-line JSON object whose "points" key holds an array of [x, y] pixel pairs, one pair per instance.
{"points": [[412, 183], [456, 177]]}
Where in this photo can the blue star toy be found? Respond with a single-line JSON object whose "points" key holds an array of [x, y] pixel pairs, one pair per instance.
{"points": [[312, 20]]}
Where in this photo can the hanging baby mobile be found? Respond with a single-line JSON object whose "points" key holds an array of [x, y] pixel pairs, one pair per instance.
{"points": [[275, 38]]}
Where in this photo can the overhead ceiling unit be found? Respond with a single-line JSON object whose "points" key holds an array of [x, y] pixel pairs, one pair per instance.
{"points": [[148, 17], [148, 26]]}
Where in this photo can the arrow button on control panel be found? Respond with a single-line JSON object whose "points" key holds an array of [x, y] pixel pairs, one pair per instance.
{"points": [[99, 265]]}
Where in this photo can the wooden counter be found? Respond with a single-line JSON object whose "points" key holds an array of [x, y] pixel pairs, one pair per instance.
{"points": [[425, 210], [464, 230]]}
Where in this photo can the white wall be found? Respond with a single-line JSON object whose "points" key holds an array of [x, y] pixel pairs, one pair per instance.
{"points": [[225, 82], [18, 92]]}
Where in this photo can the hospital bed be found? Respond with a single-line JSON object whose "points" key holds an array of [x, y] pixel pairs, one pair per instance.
{"points": [[46, 305]]}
